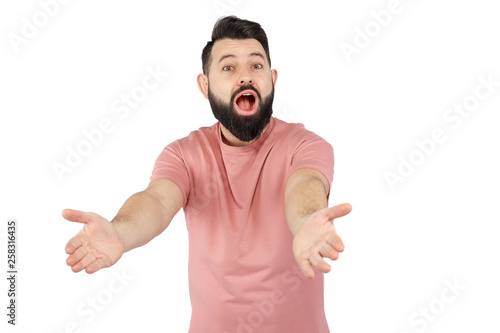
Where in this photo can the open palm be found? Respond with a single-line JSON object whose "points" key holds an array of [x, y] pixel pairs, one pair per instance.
{"points": [[317, 239], [96, 246]]}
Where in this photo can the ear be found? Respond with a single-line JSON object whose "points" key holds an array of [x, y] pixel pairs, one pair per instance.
{"points": [[274, 75], [203, 84]]}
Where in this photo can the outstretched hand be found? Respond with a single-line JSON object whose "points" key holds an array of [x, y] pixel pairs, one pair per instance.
{"points": [[96, 246], [317, 239]]}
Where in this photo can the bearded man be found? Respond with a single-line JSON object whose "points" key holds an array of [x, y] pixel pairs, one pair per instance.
{"points": [[254, 190]]}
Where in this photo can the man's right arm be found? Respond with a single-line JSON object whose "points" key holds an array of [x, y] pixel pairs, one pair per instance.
{"points": [[144, 216], [147, 214]]}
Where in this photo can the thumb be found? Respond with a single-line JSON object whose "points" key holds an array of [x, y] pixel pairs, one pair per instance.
{"points": [[338, 211], [77, 216]]}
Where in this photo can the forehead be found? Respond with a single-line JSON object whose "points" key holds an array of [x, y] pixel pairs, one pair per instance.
{"points": [[236, 47]]}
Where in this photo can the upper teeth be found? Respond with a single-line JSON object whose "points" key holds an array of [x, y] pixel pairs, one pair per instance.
{"points": [[247, 94]]}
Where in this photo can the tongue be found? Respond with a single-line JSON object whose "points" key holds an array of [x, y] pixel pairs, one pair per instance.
{"points": [[245, 102]]}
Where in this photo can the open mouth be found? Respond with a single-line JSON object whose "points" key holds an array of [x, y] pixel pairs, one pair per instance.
{"points": [[246, 102]]}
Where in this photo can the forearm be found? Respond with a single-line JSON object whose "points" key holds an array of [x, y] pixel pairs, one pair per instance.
{"points": [[305, 194], [140, 219]]}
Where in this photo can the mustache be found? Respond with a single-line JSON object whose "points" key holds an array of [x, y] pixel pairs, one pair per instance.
{"points": [[242, 88]]}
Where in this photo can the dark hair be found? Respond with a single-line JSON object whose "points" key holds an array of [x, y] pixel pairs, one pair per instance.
{"points": [[234, 28]]}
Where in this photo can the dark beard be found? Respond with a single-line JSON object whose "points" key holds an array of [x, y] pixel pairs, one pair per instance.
{"points": [[245, 128]]}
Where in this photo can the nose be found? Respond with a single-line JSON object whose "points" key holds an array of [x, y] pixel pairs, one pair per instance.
{"points": [[244, 81], [245, 78]]}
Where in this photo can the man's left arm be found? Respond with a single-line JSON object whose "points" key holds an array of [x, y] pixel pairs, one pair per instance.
{"points": [[311, 220]]}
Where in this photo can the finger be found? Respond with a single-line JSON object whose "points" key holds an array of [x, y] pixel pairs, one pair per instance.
{"points": [[76, 216], [306, 269], [327, 251], [95, 266], [87, 260], [338, 211], [319, 263], [335, 241], [76, 256], [73, 244]]}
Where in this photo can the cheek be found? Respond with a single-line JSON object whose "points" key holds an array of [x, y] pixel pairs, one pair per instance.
{"points": [[266, 85], [220, 91], [267, 89]]}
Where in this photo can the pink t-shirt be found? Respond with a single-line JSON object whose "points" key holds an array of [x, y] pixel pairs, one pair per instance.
{"points": [[243, 277]]}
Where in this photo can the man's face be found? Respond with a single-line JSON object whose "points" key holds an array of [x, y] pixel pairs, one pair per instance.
{"points": [[240, 87]]}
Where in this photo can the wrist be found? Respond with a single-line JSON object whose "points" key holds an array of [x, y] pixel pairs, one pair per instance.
{"points": [[298, 222], [121, 234]]}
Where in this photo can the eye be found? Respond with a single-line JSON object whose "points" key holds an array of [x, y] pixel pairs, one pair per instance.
{"points": [[257, 66], [227, 68]]}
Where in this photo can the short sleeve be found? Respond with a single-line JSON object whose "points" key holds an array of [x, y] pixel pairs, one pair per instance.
{"points": [[313, 152], [170, 165]]}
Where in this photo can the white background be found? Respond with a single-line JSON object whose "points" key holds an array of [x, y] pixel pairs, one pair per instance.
{"points": [[440, 224]]}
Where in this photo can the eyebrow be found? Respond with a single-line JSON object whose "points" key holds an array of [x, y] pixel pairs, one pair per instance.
{"points": [[253, 54]]}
